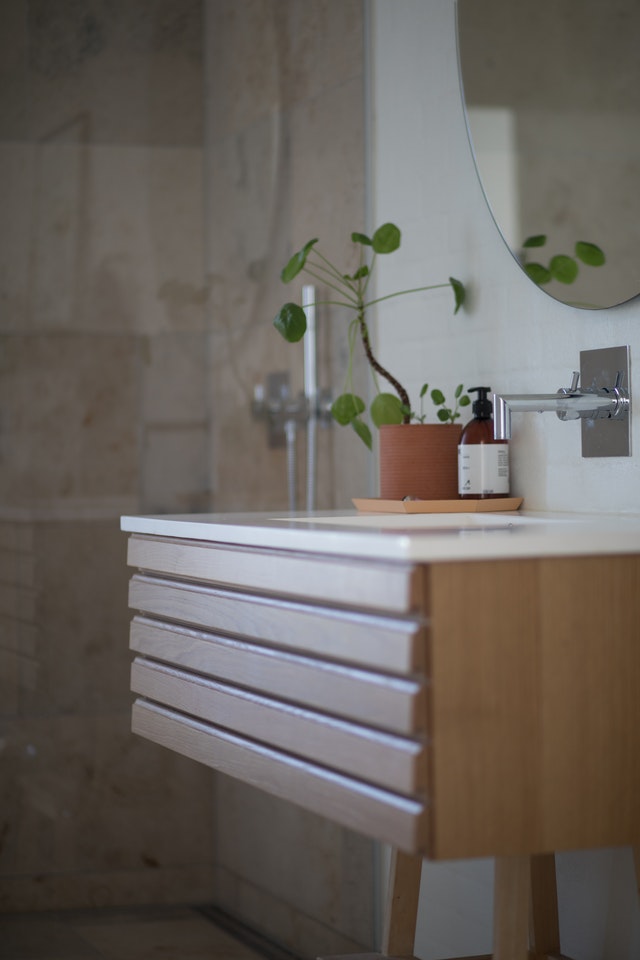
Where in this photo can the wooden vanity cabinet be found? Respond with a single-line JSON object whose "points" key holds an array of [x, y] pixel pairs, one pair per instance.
{"points": [[452, 709]]}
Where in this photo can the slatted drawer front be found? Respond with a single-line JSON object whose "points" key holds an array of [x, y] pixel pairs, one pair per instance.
{"points": [[394, 762], [323, 705], [391, 587], [385, 643], [387, 816], [395, 704]]}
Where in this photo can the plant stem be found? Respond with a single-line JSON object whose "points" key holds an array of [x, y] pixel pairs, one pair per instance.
{"points": [[400, 293], [333, 270], [344, 291], [331, 303], [368, 277], [375, 365]]}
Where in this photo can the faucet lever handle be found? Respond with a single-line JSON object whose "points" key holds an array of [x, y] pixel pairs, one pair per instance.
{"points": [[567, 391]]}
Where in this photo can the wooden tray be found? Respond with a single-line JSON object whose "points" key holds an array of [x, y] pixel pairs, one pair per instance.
{"points": [[496, 505]]}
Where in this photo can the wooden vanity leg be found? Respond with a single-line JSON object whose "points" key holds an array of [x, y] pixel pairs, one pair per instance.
{"points": [[401, 912], [545, 928], [511, 908]]}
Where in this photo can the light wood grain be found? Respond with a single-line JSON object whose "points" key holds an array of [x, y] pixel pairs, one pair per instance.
{"points": [[590, 701], [395, 763], [377, 642], [368, 584], [535, 707], [485, 737], [378, 813], [545, 926], [386, 702], [403, 896], [511, 908]]}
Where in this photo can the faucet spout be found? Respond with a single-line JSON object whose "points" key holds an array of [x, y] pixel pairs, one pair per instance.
{"points": [[571, 403]]}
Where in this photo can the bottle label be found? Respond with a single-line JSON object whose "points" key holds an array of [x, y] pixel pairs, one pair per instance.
{"points": [[483, 468]]}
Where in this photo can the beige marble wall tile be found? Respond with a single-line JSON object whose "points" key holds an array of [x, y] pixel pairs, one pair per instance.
{"points": [[18, 636], [18, 629], [191, 883], [103, 290], [16, 568], [16, 537], [186, 937], [327, 188], [70, 406], [175, 379], [17, 602], [16, 199], [82, 619], [82, 796], [10, 683], [315, 868], [284, 163], [90, 815], [175, 469], [58, 235], [325, 43], [101, 238], [301, 934], [242, 59], [134, 68], [248, 247], [271, 54], [144, 263], [13, 74], [276, 181], [139, 270]]}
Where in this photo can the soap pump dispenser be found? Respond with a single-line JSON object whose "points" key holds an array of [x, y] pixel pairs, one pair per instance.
{"points": [[483, 463]]}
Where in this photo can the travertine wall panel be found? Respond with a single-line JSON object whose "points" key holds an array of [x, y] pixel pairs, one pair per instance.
{"points": [[159, 162]]}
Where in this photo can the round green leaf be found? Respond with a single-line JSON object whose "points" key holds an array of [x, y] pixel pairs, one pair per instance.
{"points": [[459, 390], [297, 262], [437, 396], [425, 387], [537, 273], [538, 240], [291, 322], [386, 239], [563, 268], [360, 238], [386, 408], [346, 408], [363, 271], [444, 415], [459, 292], [465, 401], [363, 431], [589, 253]]}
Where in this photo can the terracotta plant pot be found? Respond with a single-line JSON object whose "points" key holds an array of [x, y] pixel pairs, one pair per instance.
{"points": [[419, 460]]}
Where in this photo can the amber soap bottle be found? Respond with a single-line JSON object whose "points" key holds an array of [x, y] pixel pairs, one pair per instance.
{"points": [[483, 463]]}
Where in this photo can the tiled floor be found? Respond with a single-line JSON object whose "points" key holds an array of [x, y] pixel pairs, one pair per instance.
{"points": [[142, 933]]}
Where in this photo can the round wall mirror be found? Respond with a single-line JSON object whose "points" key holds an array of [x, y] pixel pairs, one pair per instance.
{"points": [[552, 97]]}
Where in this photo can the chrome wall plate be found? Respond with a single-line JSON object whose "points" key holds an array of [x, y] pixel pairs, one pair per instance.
{"points": [[599, 368]]}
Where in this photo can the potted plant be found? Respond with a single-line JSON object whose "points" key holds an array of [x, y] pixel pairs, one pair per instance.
{"points": [[387, 410]]}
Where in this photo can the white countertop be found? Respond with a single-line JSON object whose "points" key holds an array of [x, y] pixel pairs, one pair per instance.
{"points": [[408, 537]]}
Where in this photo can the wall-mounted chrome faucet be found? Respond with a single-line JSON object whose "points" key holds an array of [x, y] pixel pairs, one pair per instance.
{"points": [[601, 401]]}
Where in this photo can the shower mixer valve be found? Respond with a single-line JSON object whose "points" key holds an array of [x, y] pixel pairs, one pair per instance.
{"points": [[278, 406]]}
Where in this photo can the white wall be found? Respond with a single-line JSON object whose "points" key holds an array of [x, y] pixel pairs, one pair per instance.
{"points": [[515, 338]]}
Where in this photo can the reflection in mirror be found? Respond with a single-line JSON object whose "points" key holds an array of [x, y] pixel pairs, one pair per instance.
{"points": [[552, 94]]}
